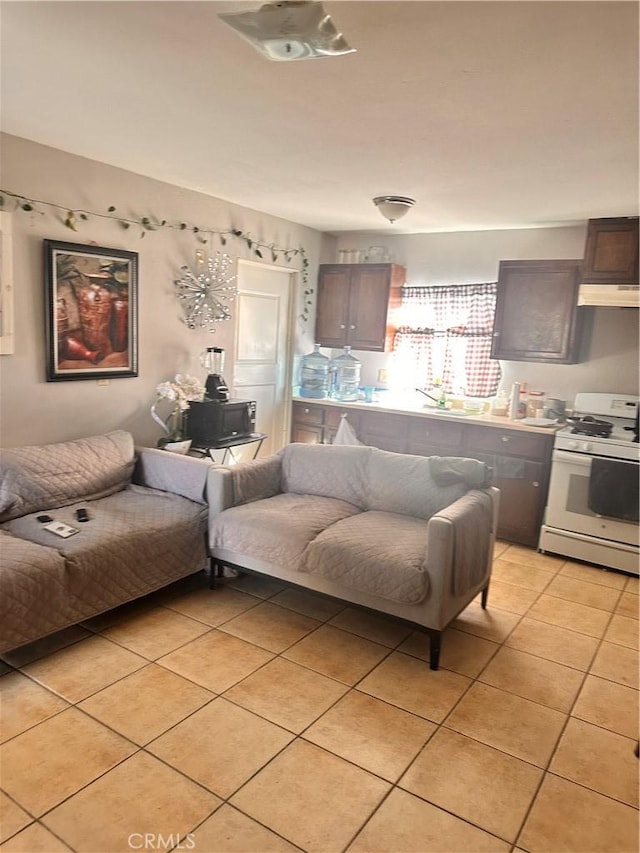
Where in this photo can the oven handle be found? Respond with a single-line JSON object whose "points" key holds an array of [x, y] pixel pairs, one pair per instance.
{"points": [[574, 458]]}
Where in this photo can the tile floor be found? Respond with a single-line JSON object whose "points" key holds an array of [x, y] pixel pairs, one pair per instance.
{"points": [[264, 718]]}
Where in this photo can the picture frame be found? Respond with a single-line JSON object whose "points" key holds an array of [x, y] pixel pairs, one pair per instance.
{"points": [[91, 302], [6, 286]]}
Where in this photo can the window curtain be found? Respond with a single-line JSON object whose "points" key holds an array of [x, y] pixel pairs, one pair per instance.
{"points": [[445, 338]]}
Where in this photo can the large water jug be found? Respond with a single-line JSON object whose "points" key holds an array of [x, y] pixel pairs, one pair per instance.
{"points": [[346, 370], [314, 374]]}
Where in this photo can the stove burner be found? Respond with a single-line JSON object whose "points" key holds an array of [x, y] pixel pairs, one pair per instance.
{"points": [[588, 425], [605, 433]]}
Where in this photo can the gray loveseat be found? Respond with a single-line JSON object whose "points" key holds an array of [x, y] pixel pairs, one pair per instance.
{"points": [[147, 527], [409, 536]]}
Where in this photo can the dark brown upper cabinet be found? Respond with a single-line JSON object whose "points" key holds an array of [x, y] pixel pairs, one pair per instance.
{"points": [[611, 252], [537, 318], [356, 305]]}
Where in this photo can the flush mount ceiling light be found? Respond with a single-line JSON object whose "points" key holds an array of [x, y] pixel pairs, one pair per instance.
{"points": [[292, 29], [393, 207]]}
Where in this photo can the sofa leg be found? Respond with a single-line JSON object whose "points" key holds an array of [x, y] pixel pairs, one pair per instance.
{"points": [[215, 571], [434, 649], [485, 595]]}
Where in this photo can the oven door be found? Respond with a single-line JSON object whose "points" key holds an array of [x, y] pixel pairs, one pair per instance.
{"points": [[568, 505]]}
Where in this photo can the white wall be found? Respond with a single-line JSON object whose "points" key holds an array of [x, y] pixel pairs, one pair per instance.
{"points": [[36, 411], [611, 341]]}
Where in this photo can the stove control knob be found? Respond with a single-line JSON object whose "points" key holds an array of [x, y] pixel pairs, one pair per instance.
{"points": [[573, 445], [586, 446]]}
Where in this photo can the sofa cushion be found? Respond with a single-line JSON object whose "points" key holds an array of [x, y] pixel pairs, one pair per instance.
{"points": [[380, 553], [276, 529], [404, 484], [43, 477], [327, 470]]}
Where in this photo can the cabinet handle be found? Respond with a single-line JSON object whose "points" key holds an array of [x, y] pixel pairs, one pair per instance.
{"points": [[352, 327], [535, 484], [306, 411], [342, 326], [506, 438]]}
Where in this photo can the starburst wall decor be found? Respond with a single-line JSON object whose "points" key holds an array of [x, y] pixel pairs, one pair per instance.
{"points": [[205, 292]]}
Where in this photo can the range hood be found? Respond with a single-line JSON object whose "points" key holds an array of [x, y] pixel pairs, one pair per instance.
{"points": [[610, 295]]}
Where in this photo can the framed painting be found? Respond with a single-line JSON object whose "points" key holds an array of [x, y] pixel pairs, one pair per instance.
{"points": [[6, 286], [91, 311]]}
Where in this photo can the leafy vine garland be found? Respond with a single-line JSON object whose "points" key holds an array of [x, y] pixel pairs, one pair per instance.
{"points": [[73, 217]]}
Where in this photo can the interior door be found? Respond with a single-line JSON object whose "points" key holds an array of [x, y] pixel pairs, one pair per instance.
{"points": [[262, 357]]}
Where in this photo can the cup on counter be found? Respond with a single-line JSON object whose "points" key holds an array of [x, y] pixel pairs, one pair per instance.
{"points": [[368, 392]]}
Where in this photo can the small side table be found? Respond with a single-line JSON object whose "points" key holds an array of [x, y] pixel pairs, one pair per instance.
{"points": [[228, 446]]}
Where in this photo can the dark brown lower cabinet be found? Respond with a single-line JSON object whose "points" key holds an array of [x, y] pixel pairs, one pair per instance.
{"points": [[520, 460]]}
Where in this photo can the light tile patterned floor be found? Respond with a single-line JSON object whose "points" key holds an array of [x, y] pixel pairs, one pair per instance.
{"points": [[263, 718]]}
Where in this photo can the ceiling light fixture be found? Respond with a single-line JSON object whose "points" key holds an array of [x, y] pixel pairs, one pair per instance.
{"points": [[393, 207], [288, 30]]}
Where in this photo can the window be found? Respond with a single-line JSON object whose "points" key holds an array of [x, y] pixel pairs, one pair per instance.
{"points": [[445, 337]]}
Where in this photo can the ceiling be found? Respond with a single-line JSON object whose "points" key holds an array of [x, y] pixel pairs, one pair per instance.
{"points": [[489, 114]]}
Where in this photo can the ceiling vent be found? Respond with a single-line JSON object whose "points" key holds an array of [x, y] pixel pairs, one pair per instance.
{"points": [[293, 29]]}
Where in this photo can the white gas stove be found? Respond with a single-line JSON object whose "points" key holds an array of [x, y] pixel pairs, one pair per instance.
{"points": [[592, 509]]}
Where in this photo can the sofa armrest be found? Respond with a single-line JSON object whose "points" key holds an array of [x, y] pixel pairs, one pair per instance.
{"points": [[460, 540], [172, 472], [243, 483]]}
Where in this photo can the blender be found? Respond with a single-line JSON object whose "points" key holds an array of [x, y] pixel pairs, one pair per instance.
{"points": [[215, 386]]}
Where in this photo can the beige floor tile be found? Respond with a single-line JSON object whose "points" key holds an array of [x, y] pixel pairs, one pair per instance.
{"points": [[44, 765], [530, 557], [34, 839], [336, 653], [569, 614], [308, 603], [408, 824], [514, 599], [529, 577], [47, 645], [499, 548], [122, 613], [221, 746], [287, 694], [624, 631], [542, 681], [231, 831], [584, 592], [24, 704], [475, 782], [212, 606], [409, 683], [596, 823], [146, 703], [553, 643], [386, 631], [633, 585], [271, 627], [155, 632], [610, 705], [321, 800], [628, 605], [461, 652], [490, 624], [141, 795], [77, 671], [216, 660], [593, 574], [12, 817], [598, 759], [617, 663], [371, 734], [514, 725], [260, 586]]}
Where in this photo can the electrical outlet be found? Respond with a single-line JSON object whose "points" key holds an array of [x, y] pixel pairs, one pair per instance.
{"points": [[382, 374]]}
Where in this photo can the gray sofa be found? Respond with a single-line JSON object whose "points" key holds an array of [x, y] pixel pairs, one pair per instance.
{"points": [[147, 527], [409, 536]]}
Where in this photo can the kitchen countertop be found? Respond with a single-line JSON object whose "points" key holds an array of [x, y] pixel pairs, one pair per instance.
{"points": [[408, 407]]}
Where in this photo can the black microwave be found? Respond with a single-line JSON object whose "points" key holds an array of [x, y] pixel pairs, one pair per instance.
{"points": [[212, 422]]}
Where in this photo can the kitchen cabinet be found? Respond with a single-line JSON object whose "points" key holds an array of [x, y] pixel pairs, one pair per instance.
{"points": [[537, 316], [356, 305], [611, 251], [520, 459]]}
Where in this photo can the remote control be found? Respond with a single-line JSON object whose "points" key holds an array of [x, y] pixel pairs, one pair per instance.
{"points": [[61, 529]]}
